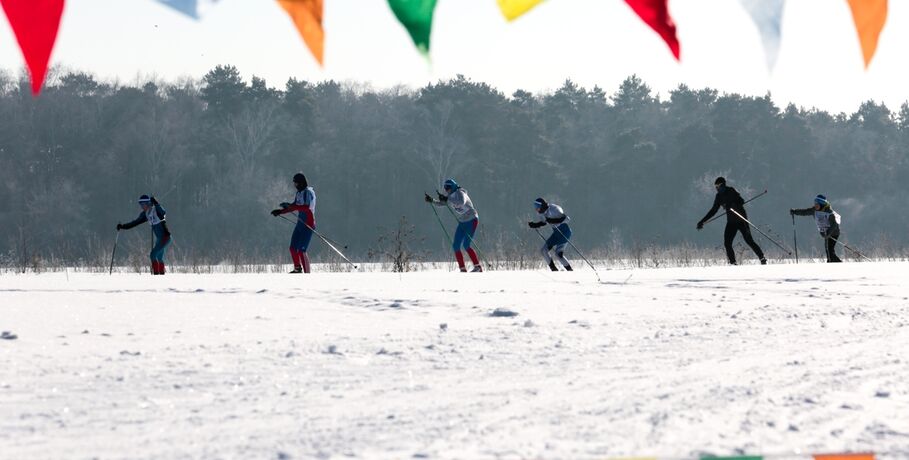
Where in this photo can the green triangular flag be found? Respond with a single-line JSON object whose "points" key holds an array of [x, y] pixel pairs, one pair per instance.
{"points": [[416, 17]]}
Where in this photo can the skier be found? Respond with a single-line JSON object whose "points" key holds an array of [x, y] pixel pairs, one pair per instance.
{"points": [[457, 200], [828, 224], [305, 206], [552, 214], [153, 213], [729, 199]]}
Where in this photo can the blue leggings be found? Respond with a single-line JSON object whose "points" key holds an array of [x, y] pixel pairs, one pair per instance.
{"points": [[559, 237], [301, 238], [558, 240], [463, 236], [157, 252]]}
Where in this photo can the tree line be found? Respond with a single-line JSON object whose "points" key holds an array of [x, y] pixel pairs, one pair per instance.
{"points": [[628, 165]]}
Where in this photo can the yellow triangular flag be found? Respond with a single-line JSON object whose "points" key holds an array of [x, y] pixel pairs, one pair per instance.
{"points": [[513, 9], [307, 16], [869, 17]]}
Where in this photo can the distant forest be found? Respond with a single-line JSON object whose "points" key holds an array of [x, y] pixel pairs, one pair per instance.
{"points": [[629, 166]]}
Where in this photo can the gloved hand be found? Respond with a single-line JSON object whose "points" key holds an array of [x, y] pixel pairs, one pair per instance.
{"points": [[154, 201], [792, 212], [119, 226], [284, 205], [535, 224], [427, 198], [276, 212], [700, 225], [442, 197]]}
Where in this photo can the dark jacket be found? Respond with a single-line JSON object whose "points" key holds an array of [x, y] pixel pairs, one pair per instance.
{"points": [[156, 215], [728, 198]]}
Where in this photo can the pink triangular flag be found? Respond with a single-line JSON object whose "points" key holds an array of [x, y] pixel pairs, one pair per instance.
{"points": [[656, 14]]}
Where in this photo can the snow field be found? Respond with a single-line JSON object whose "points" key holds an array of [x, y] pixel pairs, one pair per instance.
{"points": [[675, 362]]}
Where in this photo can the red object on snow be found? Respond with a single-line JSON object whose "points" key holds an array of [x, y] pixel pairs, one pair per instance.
{"points": [[656, 14], [35, 23]]}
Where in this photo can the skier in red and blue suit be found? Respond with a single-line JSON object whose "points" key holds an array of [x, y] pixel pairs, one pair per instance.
{"points": [[305, 206], [154, 214], [456, 199]]}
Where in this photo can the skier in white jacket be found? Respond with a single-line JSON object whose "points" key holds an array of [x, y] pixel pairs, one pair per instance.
{"points": [[457, 200], [552, 214]]}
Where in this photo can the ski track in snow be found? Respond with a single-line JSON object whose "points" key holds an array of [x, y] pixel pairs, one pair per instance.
{"points": [[717, 360]]}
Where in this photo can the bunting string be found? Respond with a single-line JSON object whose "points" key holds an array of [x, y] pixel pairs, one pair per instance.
{"points": [[35, 24]]}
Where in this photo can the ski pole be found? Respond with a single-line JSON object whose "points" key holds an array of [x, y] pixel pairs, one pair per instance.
{"points": [[113, 253], [329, 239], [727, 212], [331, 245], [579, 253], [326, 241], [439, 219], [541, 235], [852, 249], [779, 245], [795, 239]]}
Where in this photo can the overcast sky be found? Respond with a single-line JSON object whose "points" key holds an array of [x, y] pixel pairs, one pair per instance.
{"points": [[593, 42]]}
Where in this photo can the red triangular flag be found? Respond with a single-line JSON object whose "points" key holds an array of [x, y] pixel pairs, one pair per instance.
{"points": [[656, 14], [35, 23]]}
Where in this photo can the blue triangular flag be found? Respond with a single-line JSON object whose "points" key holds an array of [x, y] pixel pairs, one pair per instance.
{"points": [[768, 17], [192, 8]]}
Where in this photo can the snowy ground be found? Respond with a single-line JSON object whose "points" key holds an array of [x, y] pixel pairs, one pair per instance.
{"points": [[668, 362]]}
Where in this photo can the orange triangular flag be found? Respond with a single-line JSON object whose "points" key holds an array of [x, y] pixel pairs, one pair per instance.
{"points": [[843, 457], [307, 16], [869, 17]]}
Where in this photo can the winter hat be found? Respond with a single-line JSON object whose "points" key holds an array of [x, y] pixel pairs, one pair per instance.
{"points": [[450, 184], [144, 199], [299, 178], [540, 203], [821, 201], [720, 180]]}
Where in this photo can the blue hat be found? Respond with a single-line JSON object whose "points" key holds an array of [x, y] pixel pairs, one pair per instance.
{"points": [[450, 184], [821, 200], [540, 203], [144, 199]]}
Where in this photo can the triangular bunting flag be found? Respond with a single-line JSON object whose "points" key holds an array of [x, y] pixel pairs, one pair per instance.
{"points": [[192, 8], [656, 14], [35, 23], [869, 17], [768, 17], [513, 9], [307, 16], [416, 17], [844, 457]]}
